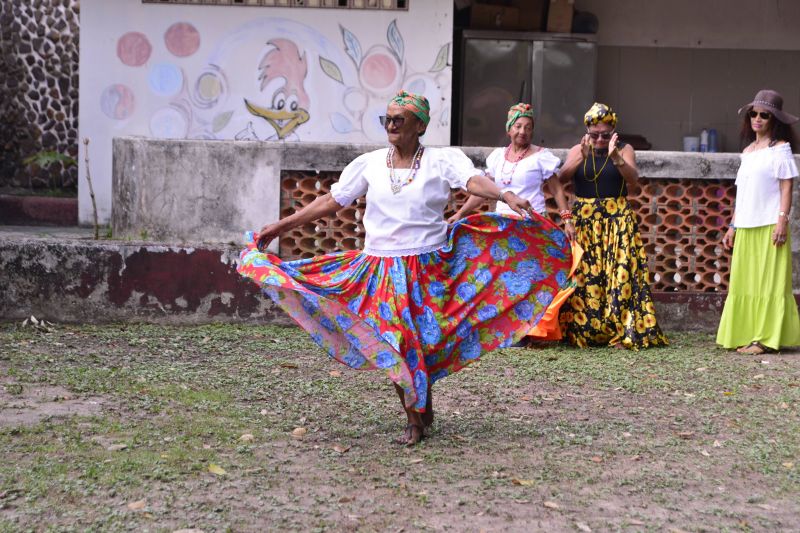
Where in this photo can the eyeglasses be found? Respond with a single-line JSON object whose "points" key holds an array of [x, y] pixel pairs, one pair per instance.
{"points": [[763, 114], [605, 135], [398, 121]]}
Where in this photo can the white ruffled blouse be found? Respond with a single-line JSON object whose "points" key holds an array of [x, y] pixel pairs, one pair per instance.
{"points": [[758, 193], [410, 222], [524, 179]]}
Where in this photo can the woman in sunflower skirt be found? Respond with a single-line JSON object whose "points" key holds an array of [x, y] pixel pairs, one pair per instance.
{"points": [[760, 313], [418, 302], [611, 305]]}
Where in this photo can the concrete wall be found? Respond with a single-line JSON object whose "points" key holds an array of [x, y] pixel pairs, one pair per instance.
{"points": [[252, 73], [673, 67]]}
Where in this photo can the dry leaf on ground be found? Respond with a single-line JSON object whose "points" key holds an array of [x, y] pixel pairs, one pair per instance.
{"points": [[551, 505], [137, 505], [523, 482], [299, 433], [216, 469]]}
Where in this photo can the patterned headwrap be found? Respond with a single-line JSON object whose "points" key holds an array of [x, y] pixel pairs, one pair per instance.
{"points": [[416, 103], [600, 113], [516, 111]]}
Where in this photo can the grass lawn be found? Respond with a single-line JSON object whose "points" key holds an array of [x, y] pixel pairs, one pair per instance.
{"points": [[243, 428]]}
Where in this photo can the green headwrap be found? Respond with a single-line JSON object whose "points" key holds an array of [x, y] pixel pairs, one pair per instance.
{"points": [[516, 111], [600, 113], [416, 103]]}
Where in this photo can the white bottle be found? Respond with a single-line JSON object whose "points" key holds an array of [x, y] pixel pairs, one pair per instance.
{"points": [[704, 140]]}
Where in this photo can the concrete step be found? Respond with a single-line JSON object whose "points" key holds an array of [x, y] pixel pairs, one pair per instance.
{"points": [[38, 210]]}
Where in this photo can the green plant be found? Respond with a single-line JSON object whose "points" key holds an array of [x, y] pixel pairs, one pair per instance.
{"points": [[46, 158]]}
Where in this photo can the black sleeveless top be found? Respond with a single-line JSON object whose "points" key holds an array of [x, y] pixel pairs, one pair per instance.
{"points": [[609, 182]]}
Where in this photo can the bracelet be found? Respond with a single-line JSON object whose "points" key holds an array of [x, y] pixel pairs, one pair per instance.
{"points": [[731, 226], [565, 214], [783, 214], [620, 164], [500, 196]]}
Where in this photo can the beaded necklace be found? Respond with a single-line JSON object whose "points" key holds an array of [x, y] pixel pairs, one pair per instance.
{"points": [[398, 183], [597, 174], [510, 175]]}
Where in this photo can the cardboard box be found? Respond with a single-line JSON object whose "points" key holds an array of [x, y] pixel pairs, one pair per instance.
{"points": [[559, 16], [532, 14], [491, 17]]}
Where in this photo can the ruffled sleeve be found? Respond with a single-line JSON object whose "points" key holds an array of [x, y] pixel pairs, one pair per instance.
{"points": [[493, 161], [351, 184], [548, 163], [456, 167], [783, 163]]}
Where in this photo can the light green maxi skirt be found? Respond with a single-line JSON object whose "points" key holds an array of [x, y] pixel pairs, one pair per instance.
{"points": [[760, 305]]}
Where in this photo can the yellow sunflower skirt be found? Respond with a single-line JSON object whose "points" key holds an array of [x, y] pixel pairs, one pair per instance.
{"points": [[612, 302]]}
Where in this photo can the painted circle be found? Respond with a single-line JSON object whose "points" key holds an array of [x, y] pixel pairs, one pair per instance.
{"points": [[134, 49], [117, 102], [380, 72], [182, 39], [165, 79], [169, 123], [427, 87], [209, 86], [355, 100]]}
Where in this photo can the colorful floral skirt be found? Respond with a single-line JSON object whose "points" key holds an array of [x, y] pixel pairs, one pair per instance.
{"points": [[760, 305], [612, 303], [422, 317], [549, 327]]}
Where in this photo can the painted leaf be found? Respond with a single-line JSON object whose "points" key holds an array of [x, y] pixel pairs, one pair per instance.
{"points": [[351, 45], [395, 41], [441, 58], [330, 68], [341, 123], [221, 120]]}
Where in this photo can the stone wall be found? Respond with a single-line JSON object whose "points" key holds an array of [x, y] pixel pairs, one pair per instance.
{"points": [[38, 90]]}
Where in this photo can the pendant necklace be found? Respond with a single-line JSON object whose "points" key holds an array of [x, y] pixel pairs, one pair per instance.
{"points": [[510, 175], [398, 183]]}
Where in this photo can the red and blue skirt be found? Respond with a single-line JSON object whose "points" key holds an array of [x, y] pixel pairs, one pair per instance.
{"points": [[421, 317]]}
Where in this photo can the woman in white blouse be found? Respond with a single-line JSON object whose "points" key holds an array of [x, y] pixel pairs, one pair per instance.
{"points": [[524, 169], [419, 302], [760, 313]]}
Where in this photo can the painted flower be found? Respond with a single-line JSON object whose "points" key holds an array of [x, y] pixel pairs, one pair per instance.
{"points": [[483, 276], [385, 311], [385, 359], [327, 323], [310, 305], [557, 236], [436, 289], [330, 267], [466, 247], [432, 359], [594, 303], [552, 251], [626, 291], [586, 210], [355, 305], [416, 293], [397, 272], [429, 327], [390, 337], [353, 358], [498, 252], [412, 360], [516, 244], [524, 310], [650, 320], [464, 329], [611, 206], [561, 278], [487, 312], [372, 284], [626, 317], [471, 347], [580, 318], [406, 315], [421, 388], [352, 339], [531, 269], [544, 297], [515, 284], [344, 321], [466, 291], [622, 275], [577, 303]]}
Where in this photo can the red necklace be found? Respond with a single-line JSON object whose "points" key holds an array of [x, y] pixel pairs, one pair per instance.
{"points": [[505, 179]]}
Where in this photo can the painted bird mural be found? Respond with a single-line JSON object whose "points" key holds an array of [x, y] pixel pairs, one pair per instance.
{"points": [[282, 72]]}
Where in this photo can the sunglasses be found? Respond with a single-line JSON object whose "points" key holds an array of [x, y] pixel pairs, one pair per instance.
{"points": [[763, 114], [398, 121], [605, 135]]}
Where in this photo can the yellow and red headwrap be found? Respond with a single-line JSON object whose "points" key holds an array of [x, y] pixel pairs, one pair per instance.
{"points": [[600, 113], [416, 103], [516, 111]]}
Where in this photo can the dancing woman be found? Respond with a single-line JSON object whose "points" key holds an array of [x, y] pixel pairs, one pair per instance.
{"points": [[419, 302]]}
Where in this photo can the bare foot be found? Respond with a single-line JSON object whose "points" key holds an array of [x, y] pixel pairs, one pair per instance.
{"points": [[417, 434]]}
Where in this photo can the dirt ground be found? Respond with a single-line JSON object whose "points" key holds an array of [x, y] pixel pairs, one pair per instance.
{"points": [[223, 428]]}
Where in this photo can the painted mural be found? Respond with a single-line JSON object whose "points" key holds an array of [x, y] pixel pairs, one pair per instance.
{"points": [[292, 83]]}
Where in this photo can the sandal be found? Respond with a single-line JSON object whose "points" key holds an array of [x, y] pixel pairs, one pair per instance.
{"points": [[755, 348]]}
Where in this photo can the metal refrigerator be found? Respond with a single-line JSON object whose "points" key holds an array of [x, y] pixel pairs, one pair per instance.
{"points": [[553, 72]]}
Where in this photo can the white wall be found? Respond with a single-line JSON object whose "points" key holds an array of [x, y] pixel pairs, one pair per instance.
{"points": [[183, 71]]}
